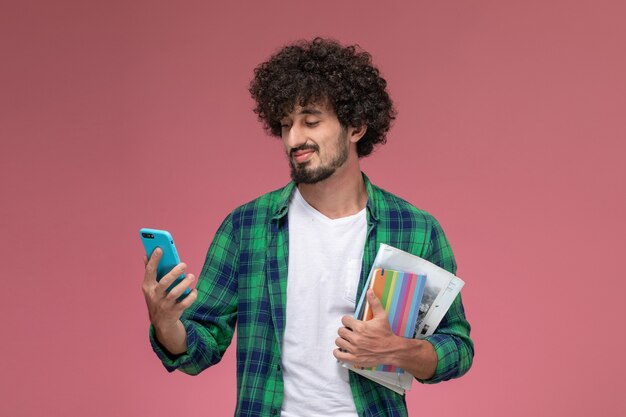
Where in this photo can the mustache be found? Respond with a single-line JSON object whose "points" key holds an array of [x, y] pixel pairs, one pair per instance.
{"points": [[304, 147]]}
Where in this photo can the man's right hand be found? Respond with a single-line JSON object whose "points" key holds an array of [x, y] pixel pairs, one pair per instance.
{"points": [[164, 310]]}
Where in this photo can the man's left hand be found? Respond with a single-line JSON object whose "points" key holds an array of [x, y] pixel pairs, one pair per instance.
{"points": [[366, 343]]}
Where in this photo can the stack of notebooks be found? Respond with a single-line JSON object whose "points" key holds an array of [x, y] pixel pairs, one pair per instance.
{"points": [[416, 294]]}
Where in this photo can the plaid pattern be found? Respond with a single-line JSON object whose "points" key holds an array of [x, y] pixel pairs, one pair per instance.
{"points": [[244, 281]]}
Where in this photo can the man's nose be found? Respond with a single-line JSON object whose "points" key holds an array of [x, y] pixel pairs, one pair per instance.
{"points": [[294, 137]]}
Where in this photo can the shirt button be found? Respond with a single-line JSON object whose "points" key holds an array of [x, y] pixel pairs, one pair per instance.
{"points": [[278, 367], [274, 411]]}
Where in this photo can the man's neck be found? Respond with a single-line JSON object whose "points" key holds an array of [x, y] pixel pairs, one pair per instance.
{"points": [[342, 194]]}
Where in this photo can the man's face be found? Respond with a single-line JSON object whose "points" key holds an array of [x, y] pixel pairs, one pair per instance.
{"points": [[315, 142]]}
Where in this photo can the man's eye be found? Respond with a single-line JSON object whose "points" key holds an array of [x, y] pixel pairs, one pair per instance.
{"points": [[312, 124], [284, 126]]}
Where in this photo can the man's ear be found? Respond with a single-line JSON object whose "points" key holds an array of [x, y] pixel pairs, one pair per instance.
{"points": [[356, 133]]}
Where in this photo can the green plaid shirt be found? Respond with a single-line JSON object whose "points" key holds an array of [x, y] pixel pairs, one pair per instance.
{"points": [[244, 281]]}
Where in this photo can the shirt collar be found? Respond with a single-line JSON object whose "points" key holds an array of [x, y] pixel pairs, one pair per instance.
{"points": [[282, 200], [284, 195], [371, 199]]}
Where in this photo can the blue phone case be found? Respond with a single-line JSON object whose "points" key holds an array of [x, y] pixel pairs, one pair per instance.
{"points": [[153, 238]]}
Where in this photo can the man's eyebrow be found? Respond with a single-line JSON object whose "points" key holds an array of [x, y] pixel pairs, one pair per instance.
{"points": [[313, 111], [307, 110]]}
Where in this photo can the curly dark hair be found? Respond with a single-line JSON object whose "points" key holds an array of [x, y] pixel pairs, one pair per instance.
{"points": [[322, 70]]}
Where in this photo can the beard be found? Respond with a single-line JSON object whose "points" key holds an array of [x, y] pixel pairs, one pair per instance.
{"points": [[302, 174]]}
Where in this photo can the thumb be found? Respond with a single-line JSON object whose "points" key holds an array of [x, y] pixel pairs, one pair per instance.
{"points": [[376, 306]]}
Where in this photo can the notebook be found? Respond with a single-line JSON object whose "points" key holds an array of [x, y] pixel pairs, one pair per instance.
{"points": [[400, 294]]}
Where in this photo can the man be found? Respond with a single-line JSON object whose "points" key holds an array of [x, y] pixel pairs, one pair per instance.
{"points": [[288, 266]]}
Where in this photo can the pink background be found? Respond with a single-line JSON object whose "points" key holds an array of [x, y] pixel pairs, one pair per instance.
{"points": [[121, 114]]}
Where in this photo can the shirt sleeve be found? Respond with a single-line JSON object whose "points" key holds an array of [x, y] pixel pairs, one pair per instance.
{"points": [[210, 320], [454, 348]]}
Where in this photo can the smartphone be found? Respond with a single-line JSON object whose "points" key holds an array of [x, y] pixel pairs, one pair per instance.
{"points": [[154, 238]]}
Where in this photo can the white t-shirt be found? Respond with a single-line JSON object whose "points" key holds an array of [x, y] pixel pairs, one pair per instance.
{"points": [[325, 258]]}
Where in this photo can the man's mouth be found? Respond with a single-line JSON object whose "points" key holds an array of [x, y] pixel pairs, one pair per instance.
{"points": [[302, 156]]}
